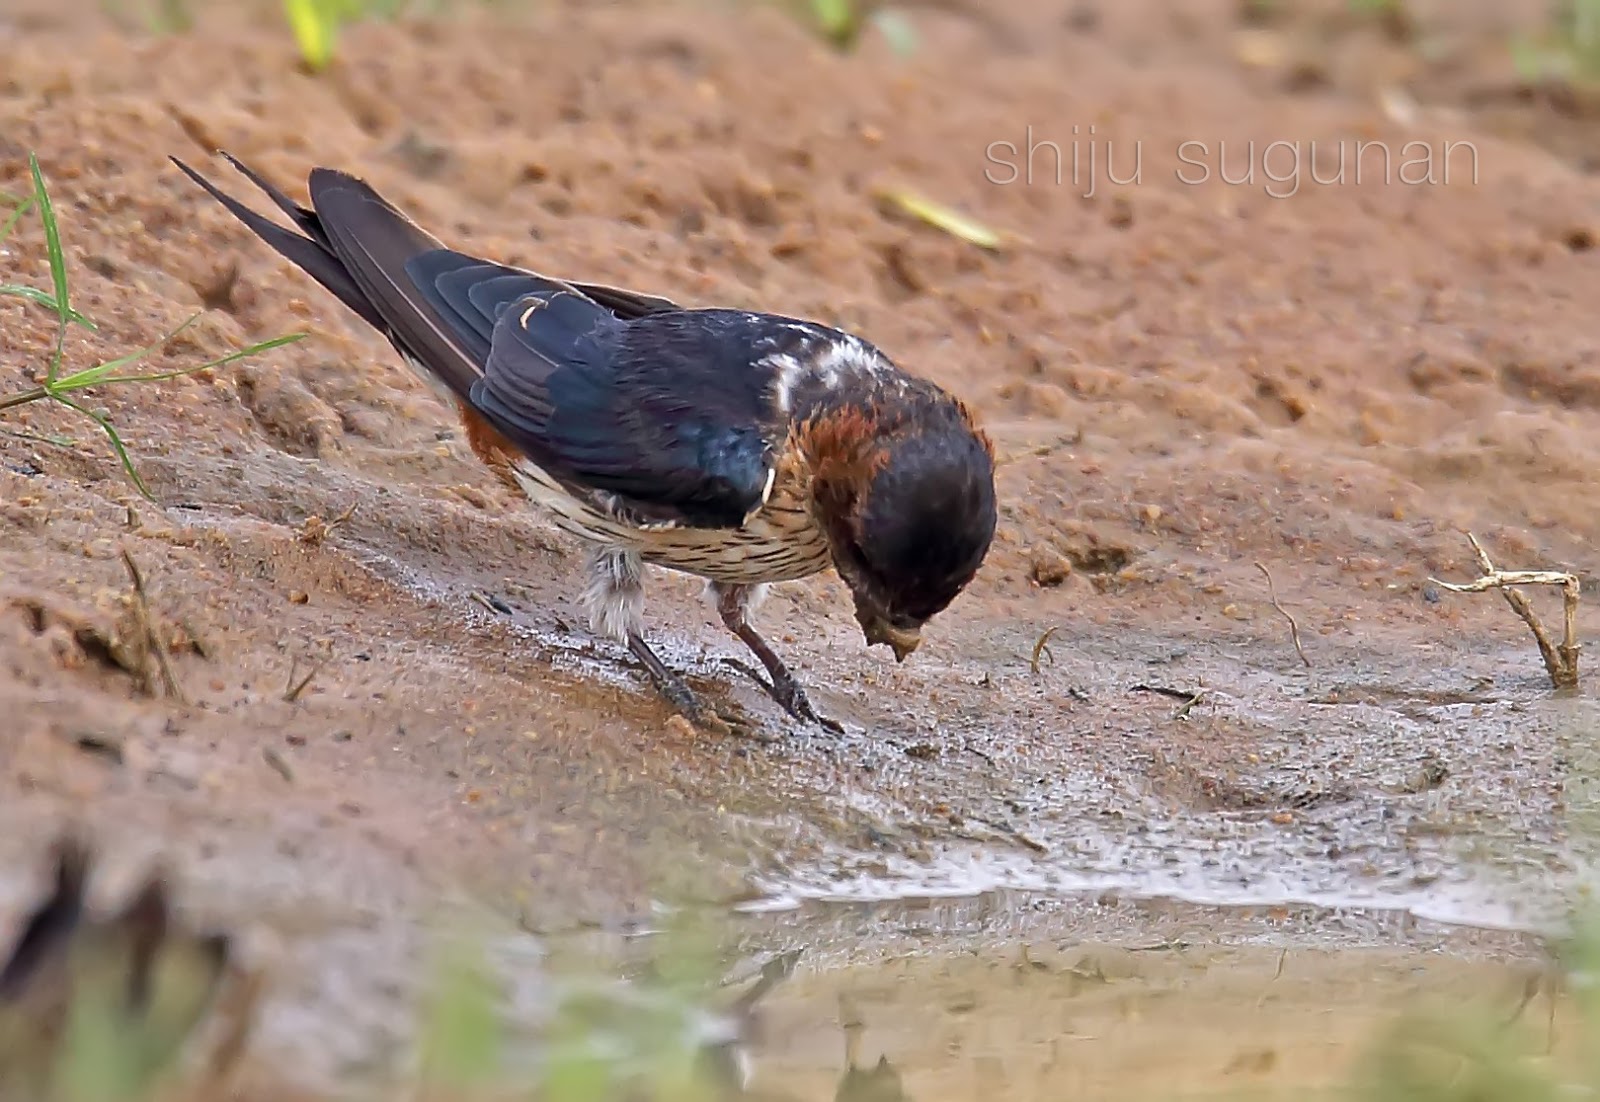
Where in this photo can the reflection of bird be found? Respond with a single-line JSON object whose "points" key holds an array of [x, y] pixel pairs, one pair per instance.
{"points": [[726, 1064], [880, 1083], [132, 986], [744, 448]]}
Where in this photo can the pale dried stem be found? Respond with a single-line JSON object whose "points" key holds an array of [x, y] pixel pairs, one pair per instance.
{"points": [[1294, 628], [147, 627], [1560, 660]]}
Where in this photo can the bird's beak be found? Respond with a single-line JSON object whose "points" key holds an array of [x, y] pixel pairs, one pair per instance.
{"points": [[899, 640], [903, 643]]}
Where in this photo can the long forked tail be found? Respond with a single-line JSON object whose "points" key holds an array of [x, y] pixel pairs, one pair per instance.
{"points": [[377, 262]]}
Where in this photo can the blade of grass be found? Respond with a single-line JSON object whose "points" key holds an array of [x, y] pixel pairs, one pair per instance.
{"points": [[15, 216], [104, 379], [897, 31], [58, 262], [35, 438], [33, 294], [116, 443], [461, 1043], [175, 16], [90, 376], [938, 215], [839, 20], [221, 361], [22, 398], [313, 28]]}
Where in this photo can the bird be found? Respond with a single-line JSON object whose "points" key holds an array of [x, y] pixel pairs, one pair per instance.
{"points": [[742, 447]]}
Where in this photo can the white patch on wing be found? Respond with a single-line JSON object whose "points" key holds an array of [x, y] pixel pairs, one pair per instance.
{"points": [[789, 371], [766, 496], [617, 511], [846, 355], [826, 358]]}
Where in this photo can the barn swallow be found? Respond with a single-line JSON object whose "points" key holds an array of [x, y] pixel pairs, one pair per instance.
{"points": [[744, 448]]}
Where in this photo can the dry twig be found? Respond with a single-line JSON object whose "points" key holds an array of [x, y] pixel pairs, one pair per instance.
{"points": [[315, 530], [147, 627], [1041, 649], [1188, 705], [294, 689], [1294, 628], [1560, 660]]}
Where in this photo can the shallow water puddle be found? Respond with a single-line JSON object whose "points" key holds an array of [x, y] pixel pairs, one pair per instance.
{"points": [[1091, 1020]]}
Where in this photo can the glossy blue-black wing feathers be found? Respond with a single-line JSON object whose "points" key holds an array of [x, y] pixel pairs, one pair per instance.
{"points": [[310, 250], [660, 413], [668, 413]]}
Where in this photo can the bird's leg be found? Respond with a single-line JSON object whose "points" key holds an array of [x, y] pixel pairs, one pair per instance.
{"points": [[615, 601], [734, 604], [669, 684]]}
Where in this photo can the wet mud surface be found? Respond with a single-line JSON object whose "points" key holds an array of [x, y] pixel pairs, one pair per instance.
{"points": [[1191, 385]]}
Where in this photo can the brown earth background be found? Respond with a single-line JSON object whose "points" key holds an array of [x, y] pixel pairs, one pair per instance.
{"points": [[1184, 381]]}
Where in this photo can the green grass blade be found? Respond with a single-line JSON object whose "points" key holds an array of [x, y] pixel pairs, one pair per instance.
{"points": [[90, 376], [43, 298], [898, 31], [948, 219], [116, 443], [102, 374], [175, 16], [35, 438], [52, 234], [32, 294], [461, 1042], [313, 27], [22, 208], [58, 261], [243, 353]]}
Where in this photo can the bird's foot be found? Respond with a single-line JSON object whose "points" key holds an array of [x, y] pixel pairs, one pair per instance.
{"points": [[701, 715], [677, 693], [675, 690], [789, 695]]}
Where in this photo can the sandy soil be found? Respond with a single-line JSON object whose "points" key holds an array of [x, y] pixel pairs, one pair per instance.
{"points": [[1186, 379]]}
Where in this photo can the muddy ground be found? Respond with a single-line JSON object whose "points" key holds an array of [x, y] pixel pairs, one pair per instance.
{"points": [[1192, 383]]}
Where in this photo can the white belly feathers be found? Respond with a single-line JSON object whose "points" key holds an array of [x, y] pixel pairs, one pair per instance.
{"points": [[780, 542]]}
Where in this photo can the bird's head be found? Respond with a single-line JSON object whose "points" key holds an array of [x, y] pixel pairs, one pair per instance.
{"points": [[907, 499]]}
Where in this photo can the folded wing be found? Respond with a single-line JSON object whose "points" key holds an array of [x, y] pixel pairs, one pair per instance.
{"points": [[661, 414]]}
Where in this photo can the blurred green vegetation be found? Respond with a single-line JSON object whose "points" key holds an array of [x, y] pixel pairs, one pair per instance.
{"points": [[1566, 49]]}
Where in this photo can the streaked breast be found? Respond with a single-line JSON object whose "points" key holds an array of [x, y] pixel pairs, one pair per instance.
{"points": [[780, 542]]}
